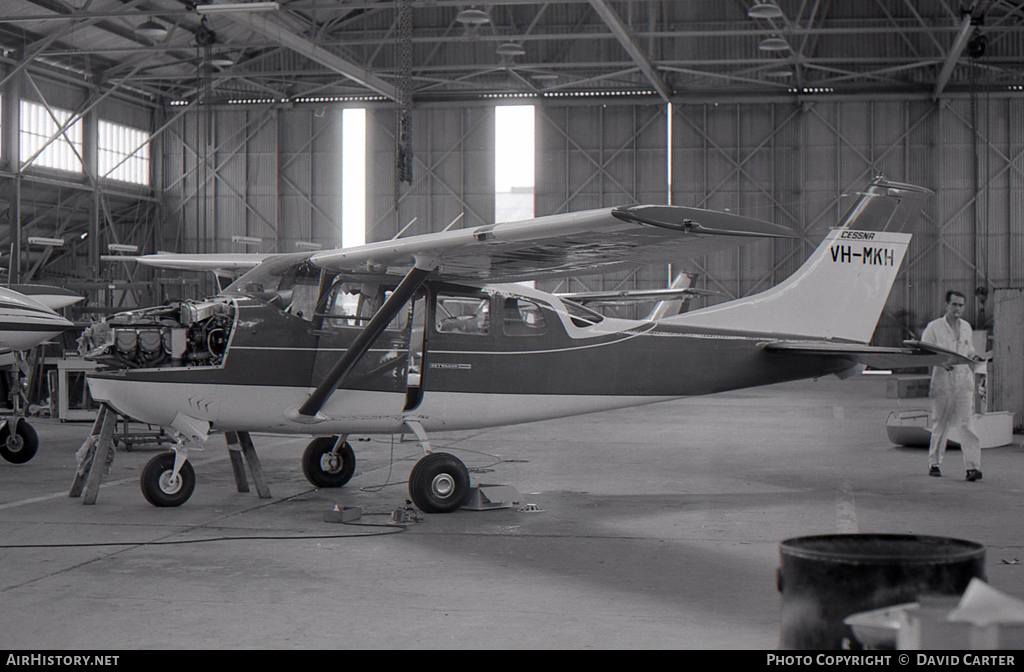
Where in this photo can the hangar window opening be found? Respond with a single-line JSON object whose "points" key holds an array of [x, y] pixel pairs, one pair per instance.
{"points": [[37, 127], [353, 177], [513, 162], [123, 153]]}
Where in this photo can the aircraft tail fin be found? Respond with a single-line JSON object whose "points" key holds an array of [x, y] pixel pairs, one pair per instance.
{"points": [[841, 290]]}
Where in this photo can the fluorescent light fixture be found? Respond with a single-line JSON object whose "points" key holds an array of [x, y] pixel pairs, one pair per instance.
{"points": [[544, 76], [764, 10], [778, 74], [510, 49], [773, 44], [246, 240], [214, 8], [48, 242], [117, 247], [222, 61], [303, 245], [151, 29], [473, 17]]}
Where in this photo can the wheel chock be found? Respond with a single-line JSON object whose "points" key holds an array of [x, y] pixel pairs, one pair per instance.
{"points": [[486, 497]]}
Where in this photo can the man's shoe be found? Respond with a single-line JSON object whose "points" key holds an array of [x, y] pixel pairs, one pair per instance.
{"points": [[973, 475], [934, 471]]}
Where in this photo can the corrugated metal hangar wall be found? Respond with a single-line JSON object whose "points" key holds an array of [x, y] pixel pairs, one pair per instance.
{"points": [[275, 174]]}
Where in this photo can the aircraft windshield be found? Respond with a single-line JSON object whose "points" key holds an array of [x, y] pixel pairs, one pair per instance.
{"points": [[283, 283]]}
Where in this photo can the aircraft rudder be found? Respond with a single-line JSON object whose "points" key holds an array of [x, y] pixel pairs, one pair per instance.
{"points": [[886, 206]]}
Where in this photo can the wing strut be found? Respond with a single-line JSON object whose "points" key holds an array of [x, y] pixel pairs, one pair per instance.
{"points": [[370, 333]]}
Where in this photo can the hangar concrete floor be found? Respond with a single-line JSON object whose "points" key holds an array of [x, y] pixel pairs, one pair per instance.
{"points": [[658, 527]]}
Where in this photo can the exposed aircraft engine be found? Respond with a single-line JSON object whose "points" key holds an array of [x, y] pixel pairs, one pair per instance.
{"points": [[186, 333]]}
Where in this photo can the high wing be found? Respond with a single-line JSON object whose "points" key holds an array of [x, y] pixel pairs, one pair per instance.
{"points": [[913, 354], [593, 241], [225, 267]]}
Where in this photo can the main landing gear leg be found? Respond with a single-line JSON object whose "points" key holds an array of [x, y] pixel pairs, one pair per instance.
{"points": [[439, 483]]}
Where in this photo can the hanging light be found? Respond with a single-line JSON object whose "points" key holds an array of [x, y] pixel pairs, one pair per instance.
{"points": [[510, 49], [473, 17], [221, 61], [778, 74], [544, 76], [152, 30], [764, 10], [773, 44]]}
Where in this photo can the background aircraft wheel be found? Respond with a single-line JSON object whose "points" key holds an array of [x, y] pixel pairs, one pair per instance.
{"points": [[157, 486], [439, 483], [325, 469], [19, 446]]}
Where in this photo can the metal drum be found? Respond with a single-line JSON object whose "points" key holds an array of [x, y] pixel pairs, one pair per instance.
{"points": [[825, 578]]}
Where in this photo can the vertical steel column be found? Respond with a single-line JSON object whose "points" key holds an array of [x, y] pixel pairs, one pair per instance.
{"points": [[11, 125], [90, 157]]}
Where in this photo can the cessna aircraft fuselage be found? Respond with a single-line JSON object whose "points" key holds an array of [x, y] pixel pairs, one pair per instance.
{"points": [[414, 335], [476, 358]]}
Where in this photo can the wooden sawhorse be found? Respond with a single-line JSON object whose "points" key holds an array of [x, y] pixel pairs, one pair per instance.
{"points": [[97, 453]]}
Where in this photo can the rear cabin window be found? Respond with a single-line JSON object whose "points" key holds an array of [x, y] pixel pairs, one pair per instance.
{"points": [[523, 318], [580, 316], [463, 315]]}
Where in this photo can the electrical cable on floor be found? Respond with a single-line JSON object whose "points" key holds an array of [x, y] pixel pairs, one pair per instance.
{"points": [[387, 481], [386, 529], [390, 528]]}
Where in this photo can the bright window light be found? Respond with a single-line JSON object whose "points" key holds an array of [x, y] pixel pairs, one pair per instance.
{"points": [[123, 153], [353, 177], [513, 162], [37, 127]]}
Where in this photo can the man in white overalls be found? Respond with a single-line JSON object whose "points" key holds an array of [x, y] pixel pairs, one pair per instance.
{"points": [[952, 389]]}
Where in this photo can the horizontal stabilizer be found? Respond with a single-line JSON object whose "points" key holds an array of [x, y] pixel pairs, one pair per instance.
{"points": [[913, 354]]}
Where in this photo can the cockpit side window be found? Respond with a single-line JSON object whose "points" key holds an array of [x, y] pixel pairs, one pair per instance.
{"points": [[522, 317], [351, 303], [463, 314]]}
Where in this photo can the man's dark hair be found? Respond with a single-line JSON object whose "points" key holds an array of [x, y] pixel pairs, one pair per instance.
{"points": [[951, 293]]}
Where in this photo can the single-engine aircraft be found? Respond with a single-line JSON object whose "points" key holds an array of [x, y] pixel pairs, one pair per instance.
{"points": [[27, 318], [426, 333]]}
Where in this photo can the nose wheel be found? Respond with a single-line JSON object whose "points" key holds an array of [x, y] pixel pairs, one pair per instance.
{"points": [[439, 483], [160, 487]]}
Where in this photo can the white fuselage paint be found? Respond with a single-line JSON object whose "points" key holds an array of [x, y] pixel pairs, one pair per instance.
{"points": [[229, 407]]}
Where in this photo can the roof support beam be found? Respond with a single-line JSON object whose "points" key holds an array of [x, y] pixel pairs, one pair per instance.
{"points": [[966, 28], [266, 27], [614, 23]]}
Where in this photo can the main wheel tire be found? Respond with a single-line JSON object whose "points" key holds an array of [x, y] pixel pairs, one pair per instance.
{"points": [[326, 469], [19, 446], [157, 486], [439, 483]]}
